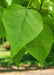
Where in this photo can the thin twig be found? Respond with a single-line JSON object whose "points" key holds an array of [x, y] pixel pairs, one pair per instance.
{"points": [[41, 5], [29, 3]]}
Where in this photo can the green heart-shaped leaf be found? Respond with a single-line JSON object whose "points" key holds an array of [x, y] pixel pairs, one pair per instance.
{"points": [[22, 26], [41, 46], [2, 29], [17, 58]]}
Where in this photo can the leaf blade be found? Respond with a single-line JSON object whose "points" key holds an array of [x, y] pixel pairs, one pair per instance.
{"points": [[2, 29], [19, 29], [18, 57], [41, 46]]}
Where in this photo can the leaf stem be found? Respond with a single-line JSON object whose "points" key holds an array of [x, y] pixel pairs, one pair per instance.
{"points": [[41, 5], [29, 4]]}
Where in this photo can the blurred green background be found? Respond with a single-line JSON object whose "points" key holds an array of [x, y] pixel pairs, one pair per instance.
{"points": [[26, 59]]}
